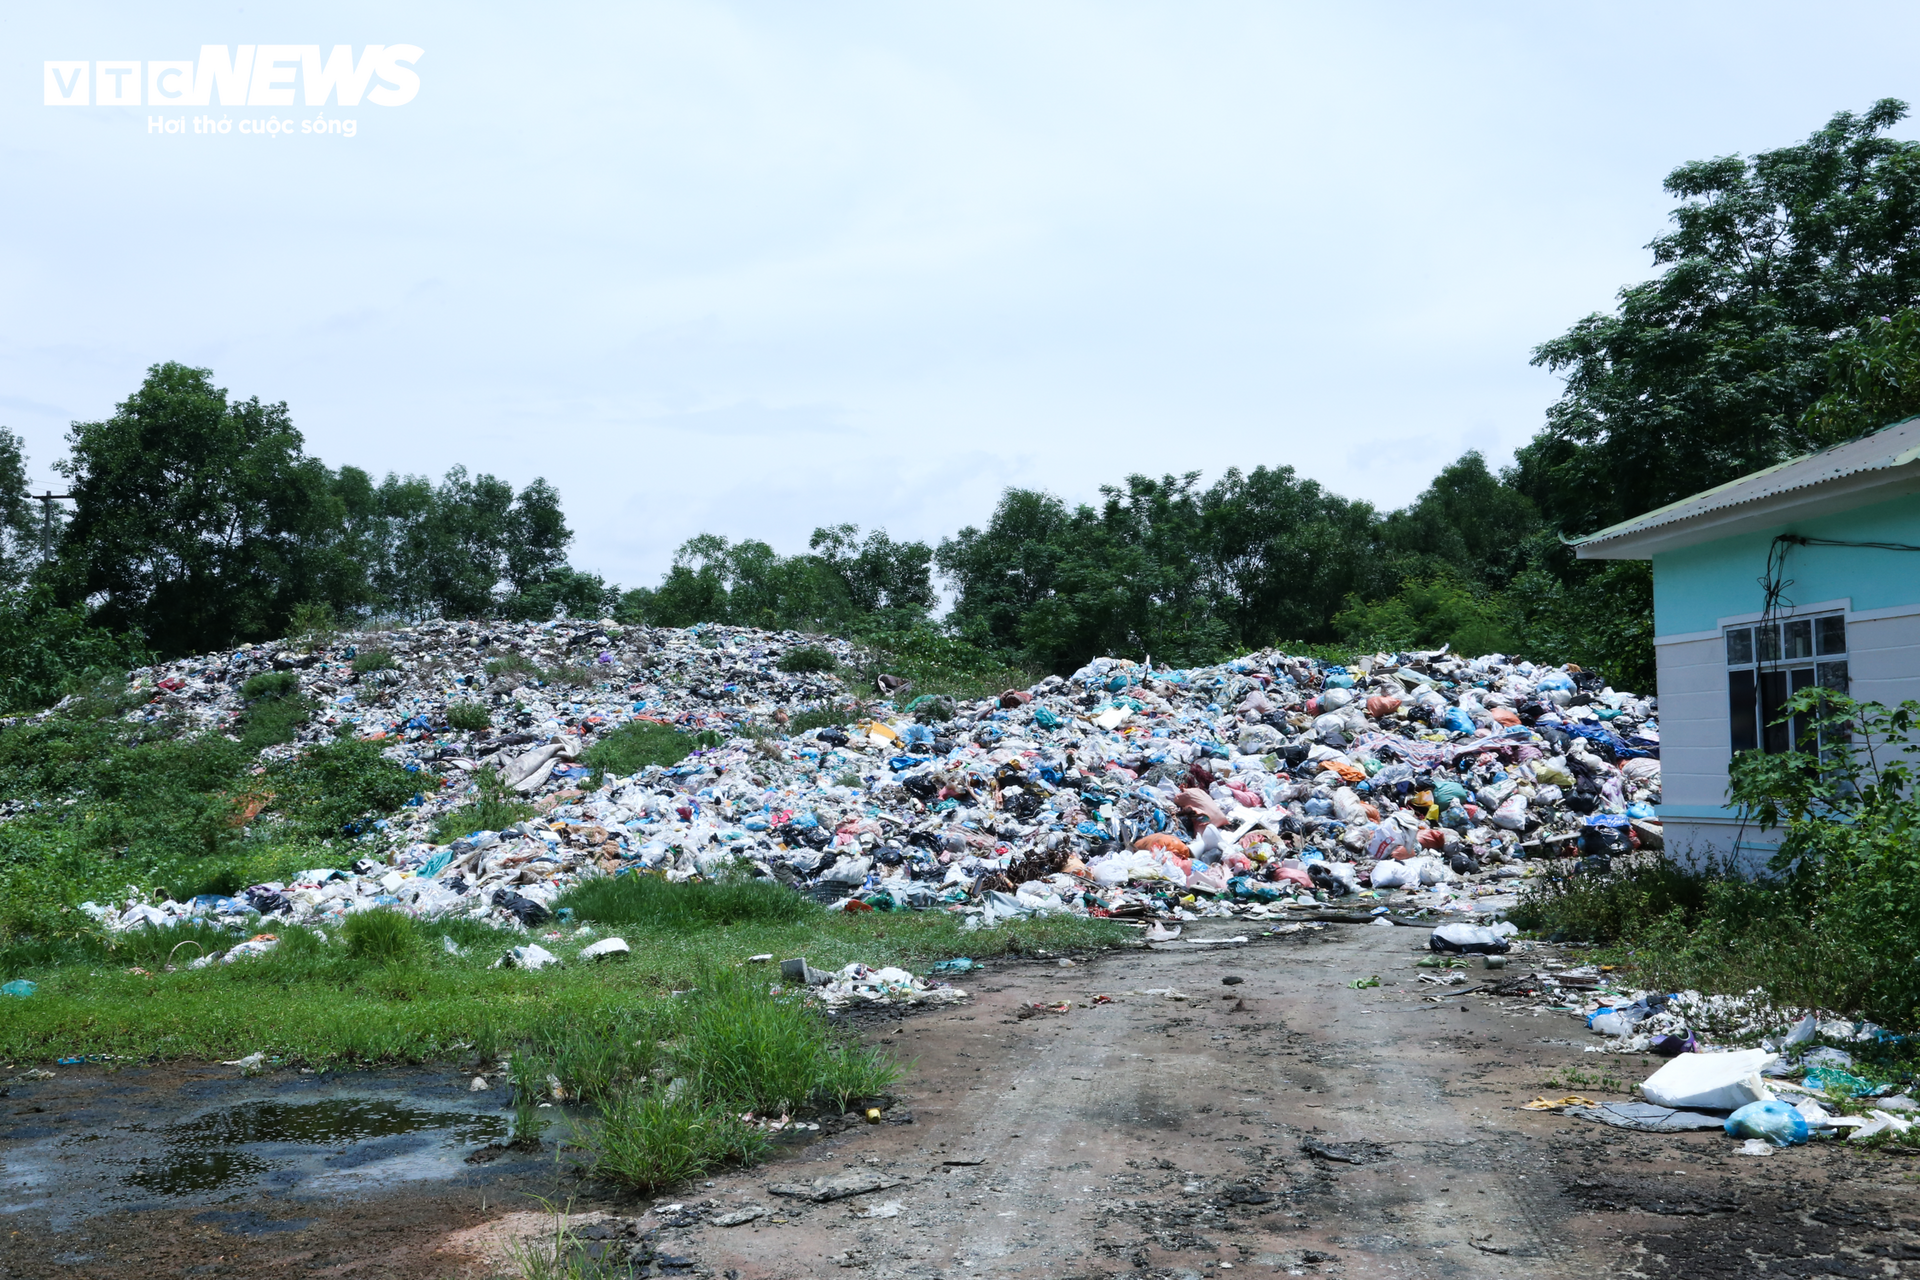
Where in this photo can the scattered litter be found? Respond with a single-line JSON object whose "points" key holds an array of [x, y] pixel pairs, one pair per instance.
{"points": [[605, 947], [857, 984], [1770, 1121], [891, 1209], [249, 1064], [531, 956], [19, 988], [1555, 1104], [1645, 1117], [1710, 1081]]}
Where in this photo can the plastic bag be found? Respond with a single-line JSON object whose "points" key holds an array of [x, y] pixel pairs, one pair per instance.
{"points": [[1389, 874], [1471, 939], [1710, 1081], [1776, 1122]]}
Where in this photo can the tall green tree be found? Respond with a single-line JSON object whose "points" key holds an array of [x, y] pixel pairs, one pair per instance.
{"points": [[198, 520], [1706, 372]]}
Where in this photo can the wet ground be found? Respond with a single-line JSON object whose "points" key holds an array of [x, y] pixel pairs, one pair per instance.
{"points": [[1284, 1124]]}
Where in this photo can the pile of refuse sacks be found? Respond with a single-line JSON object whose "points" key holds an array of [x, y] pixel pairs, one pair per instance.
{"points": [[1417, 782]]}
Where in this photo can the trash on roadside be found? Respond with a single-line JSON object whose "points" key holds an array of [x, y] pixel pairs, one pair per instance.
{"points": [[1773, 1121], [1556, 1104], [1645, 1117], [857, 984], [1473, 939], [1710, 1081], [531, 956], [959, 964]]}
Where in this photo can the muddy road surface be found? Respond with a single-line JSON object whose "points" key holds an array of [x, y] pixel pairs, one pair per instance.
{"points": [[1200, 1109]]}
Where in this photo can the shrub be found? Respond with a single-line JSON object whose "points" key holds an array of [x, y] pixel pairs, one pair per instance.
{"points": [[469, 717], [368, 661], [820, 718], [807, 658], [330, 789]]}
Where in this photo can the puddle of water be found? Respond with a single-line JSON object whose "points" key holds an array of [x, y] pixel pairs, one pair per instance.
{"points": [[121, 1148], [207, 1152]]}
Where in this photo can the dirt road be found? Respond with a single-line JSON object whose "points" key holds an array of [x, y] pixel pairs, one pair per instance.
{"points": [[1284, 1124]]}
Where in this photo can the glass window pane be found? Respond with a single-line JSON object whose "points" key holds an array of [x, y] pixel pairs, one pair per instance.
{"points": [[1773, 696], [1741, 711], [1803, 737], [1831, 632], [1767, 642], [1832, 675], [1799, 637], [1740, 647]]}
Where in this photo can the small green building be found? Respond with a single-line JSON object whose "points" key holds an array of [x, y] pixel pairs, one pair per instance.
{"points": [[1806, 573]]}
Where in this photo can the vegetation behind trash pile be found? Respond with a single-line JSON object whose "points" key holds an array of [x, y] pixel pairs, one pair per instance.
{"points": [[1835, 925]]}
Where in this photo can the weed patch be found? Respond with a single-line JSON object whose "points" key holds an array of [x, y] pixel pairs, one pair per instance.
{"points": [[636, 899], [640, 744], [469, 717], [806, 659]]}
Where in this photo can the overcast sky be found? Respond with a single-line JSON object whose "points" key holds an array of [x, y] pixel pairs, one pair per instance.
{"points": [[750, 268]]}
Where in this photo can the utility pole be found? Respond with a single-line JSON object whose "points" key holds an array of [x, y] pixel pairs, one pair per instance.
{"points": [[46, 501]]}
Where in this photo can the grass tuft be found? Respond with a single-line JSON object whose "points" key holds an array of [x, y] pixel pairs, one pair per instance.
{"points": [[368, 661], [640, 744], [806, 659], [649, 1139], [469, 717], [381, 935], [638, 899]]}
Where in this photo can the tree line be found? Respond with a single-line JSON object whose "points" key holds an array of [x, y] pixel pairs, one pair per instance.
{"points": [[1782, 318]]}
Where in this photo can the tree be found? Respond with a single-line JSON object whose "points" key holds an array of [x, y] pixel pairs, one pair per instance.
{"points": [[1468, 523], [1873, 379], [198, 522], [23, 541], [1706, 372]]}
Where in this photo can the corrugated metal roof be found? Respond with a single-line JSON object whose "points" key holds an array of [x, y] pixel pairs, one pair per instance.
{"points": [[1897, 445]]}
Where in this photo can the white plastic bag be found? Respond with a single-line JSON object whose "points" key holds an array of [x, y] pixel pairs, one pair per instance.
{"points": [[1710, 1081], [1388, 874]]}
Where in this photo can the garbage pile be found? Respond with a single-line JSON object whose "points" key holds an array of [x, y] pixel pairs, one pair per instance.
{"points": [[1414, 782]]}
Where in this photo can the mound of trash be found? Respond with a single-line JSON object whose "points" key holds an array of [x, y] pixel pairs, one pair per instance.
{"points": [[1412, 781]]}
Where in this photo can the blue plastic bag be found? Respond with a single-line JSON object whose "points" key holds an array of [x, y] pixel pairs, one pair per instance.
{"points": [[1776, 1122]]}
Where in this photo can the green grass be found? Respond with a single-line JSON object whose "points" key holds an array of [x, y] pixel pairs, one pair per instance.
{"points": [[382, 935], [635, 899], [271, 684], [649, 1141], [807, 658], [512, 662], [494, 814], [469, 717], [273, 721], [639, 744], [822, 718], [328, 1006], [368, 661]]}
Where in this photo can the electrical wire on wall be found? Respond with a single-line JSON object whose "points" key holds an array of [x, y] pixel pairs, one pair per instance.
{"points": [[1773, 585]]}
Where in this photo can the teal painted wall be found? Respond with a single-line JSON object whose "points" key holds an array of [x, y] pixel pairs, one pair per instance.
{"points": [[1696, 587]]}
